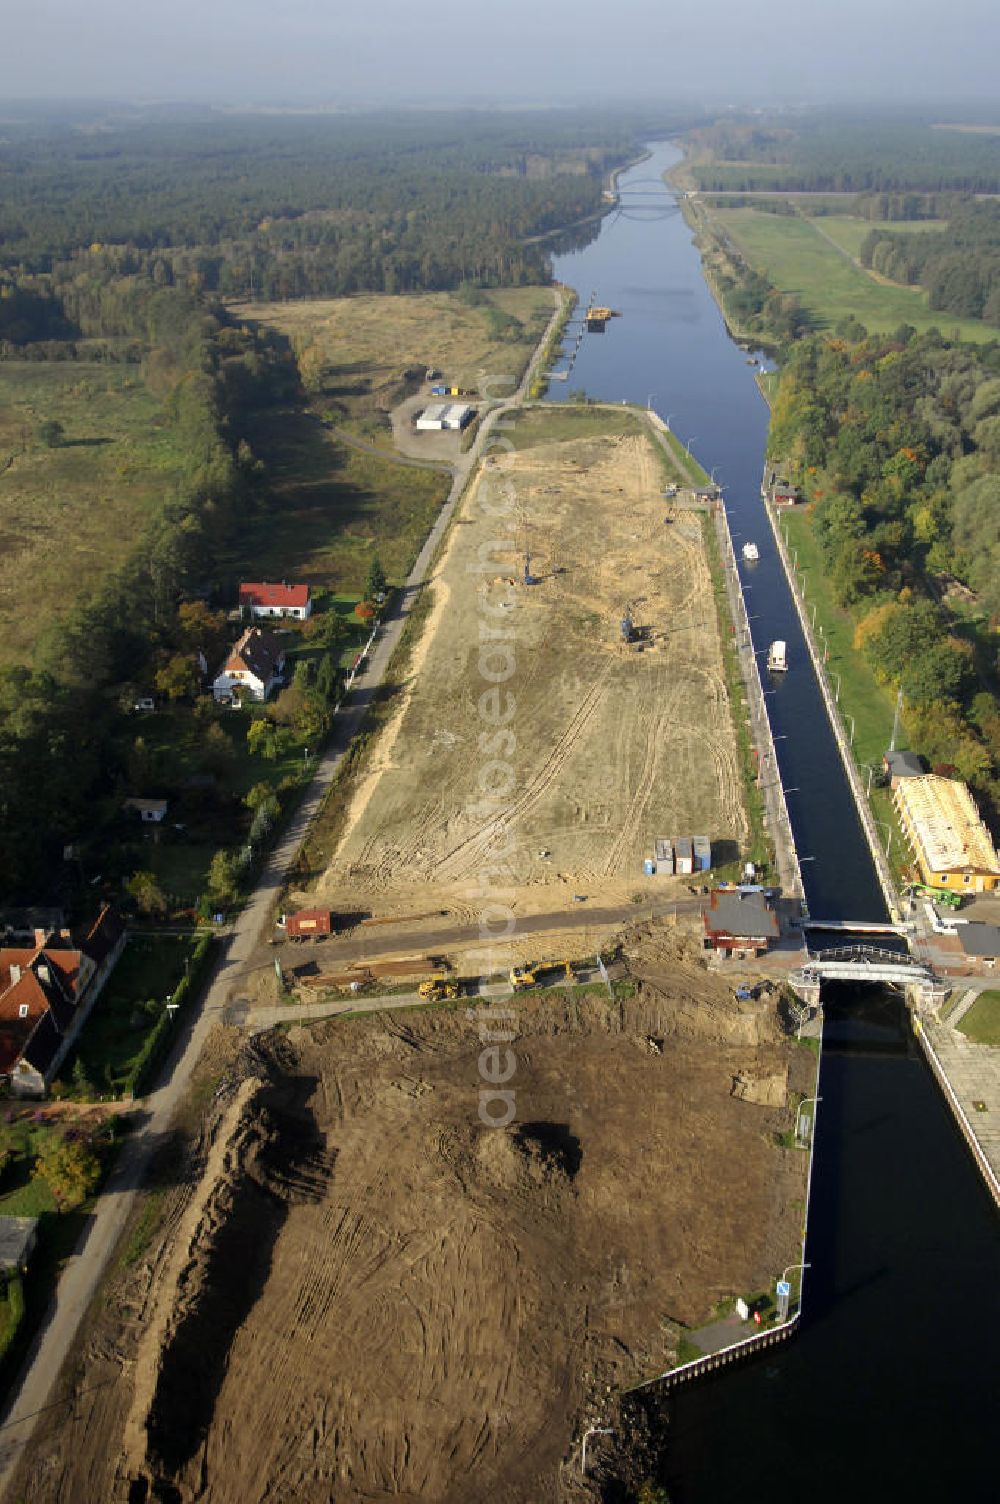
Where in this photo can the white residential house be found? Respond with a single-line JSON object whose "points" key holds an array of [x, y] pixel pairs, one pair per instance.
{"points": [[265, 600], [252, 669]]}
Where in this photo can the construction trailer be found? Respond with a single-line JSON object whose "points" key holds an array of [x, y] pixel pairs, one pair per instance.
{"points": [[684, 856], [702, 853], [450, 416], [309, 924]]}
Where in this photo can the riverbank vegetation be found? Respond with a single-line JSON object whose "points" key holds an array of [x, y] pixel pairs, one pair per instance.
{"points": [[893, 441]]}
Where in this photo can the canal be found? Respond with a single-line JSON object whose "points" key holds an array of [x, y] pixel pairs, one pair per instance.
{"points": [[889, 1391]]}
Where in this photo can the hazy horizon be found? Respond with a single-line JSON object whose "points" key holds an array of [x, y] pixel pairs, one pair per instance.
{"points": [[312, 54]]}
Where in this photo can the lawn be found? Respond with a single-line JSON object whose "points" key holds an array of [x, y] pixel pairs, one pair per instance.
{"points": [[70, 514], [134, 999], [982, 1022], [792, 253]]}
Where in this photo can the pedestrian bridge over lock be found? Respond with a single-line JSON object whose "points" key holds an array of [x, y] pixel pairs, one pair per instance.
{"points": [[861, 963]]}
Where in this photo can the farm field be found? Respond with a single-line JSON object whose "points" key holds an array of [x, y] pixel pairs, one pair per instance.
{"points": [[355, 353], [610, 745], [70, 514], [360, 1291], [792, 253]]}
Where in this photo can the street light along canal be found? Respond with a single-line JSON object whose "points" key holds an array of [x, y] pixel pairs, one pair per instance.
{"points": [[889, 1391]]}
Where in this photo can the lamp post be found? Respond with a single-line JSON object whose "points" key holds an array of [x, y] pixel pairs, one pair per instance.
{"points": [[591, 1431], [687, 446], [786, 1272], [888, 838], [649, 401], [803, 1104], [835, 675], [851, 719], [666, 422]]}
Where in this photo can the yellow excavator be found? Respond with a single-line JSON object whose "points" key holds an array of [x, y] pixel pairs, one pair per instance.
{"points": [[438, 988], [521, 978]]}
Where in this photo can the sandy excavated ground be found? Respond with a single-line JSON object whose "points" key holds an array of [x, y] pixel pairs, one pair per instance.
{"points": [[609, 747], [362, 1293]]}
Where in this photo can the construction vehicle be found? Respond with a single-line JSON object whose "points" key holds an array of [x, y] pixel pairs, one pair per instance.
{"points": [[522, 978], [438, 989], [938, 895]]}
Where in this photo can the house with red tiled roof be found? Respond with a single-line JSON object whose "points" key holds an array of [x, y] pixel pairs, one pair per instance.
{"points": [[47, 989], [252, 669], [265, 600]]}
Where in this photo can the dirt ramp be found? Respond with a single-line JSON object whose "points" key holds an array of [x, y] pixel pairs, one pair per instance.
{"points": [[260, 1155]]}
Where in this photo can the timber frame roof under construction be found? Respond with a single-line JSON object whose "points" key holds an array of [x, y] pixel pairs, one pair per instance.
{"points": [[944, 824]]}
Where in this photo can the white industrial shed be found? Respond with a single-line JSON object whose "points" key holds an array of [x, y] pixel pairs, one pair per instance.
{"points": [[452, 415]]}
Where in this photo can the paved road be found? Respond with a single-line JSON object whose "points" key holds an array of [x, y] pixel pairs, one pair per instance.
{"points": [[371, 945], [40, 1388]]}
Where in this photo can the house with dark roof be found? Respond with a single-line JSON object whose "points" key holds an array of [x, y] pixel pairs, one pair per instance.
{"points": [[252, 669], [264, 600], [981, 945], [47, 989], [739, 922], [902, 765]]}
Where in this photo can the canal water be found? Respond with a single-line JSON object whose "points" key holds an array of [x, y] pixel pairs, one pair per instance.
{"points": [[890, 1389]]}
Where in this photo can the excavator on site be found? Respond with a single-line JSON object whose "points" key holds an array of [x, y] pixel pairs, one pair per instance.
{"points": [[438, 988], [524, 977]]}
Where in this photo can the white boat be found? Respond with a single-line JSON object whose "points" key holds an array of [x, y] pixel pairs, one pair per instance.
{"points": [[776, 660], [750, 552]]}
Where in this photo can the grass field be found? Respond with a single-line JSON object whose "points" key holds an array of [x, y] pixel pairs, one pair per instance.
{"points": [[334, 508], [794, 256], [850, 233], [69, 515], [982, 1022], [553, 424], [354, 352]]}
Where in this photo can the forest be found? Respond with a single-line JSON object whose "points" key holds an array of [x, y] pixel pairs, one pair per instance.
{"points": [[959, 266], [844, 154]]}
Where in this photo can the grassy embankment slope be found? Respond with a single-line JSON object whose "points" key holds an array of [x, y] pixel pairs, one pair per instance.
{"points": [[70, 513], [793, 254]]}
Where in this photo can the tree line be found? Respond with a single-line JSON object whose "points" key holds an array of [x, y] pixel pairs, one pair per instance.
{"points": [[958, 265], [897, 442]]}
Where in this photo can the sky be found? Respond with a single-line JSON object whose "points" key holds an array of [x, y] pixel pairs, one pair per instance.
{"points": [[519, 51]]}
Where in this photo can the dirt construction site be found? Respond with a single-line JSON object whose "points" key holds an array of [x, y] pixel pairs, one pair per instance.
{"points": [[534, 748], [359, 1290]]}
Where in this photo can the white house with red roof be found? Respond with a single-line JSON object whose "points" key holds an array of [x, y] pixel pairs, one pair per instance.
{"points": [[47, 989], [252, 669], [277, 600]]}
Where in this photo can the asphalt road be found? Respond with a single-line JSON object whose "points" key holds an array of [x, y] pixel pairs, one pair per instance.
{"points": [[40, 1389]]}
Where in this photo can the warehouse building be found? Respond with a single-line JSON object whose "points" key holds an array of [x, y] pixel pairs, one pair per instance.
{"points": [[950, 844], [445, 415]]}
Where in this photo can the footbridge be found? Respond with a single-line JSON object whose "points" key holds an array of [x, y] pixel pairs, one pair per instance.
{"points": [[863, 963]]}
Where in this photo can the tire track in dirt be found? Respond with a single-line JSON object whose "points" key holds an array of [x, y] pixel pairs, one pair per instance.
{"points": [[459, 862]]}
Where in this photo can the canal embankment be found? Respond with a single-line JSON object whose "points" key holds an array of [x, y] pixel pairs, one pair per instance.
{"points": [[969, 1077], [831, 702]]}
